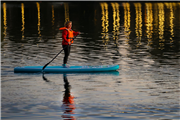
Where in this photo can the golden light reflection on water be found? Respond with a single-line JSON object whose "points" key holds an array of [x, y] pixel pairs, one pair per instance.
{"points": [[171, 7], [161, 25], [171, 24], [39, 19], [5, 19], [149, 23], [116, 21], [127, 20], [157, 17], [138, 28], [178, 12], [66, 9], [53, 18], [105, 23], [23, 22]]}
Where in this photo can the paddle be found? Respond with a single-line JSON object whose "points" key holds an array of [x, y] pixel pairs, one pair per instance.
{"points": [[55, 57]]}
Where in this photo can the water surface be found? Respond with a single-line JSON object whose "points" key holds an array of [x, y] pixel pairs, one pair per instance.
{"points": [[142, 38]]}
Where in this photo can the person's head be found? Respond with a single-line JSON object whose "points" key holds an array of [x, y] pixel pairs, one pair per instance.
{"points": [[68, 24]]}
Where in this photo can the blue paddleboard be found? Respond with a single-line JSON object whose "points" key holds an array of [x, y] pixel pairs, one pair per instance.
{"points": [[71, 69]]}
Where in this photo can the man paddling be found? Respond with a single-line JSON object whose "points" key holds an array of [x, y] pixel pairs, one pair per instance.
{"points": [[67, 36]]}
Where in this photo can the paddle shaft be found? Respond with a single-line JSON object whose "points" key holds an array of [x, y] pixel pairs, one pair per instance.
{"points": [[53, 58], [56, 56]]}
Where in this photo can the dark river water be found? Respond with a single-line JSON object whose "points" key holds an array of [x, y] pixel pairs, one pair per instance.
{"points": [[142, 38]]}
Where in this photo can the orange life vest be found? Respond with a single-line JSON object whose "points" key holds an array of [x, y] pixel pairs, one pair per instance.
{"points": [[70, 35]]}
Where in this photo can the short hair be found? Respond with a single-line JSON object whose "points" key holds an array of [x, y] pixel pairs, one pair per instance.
{"points": [[67, 23]]}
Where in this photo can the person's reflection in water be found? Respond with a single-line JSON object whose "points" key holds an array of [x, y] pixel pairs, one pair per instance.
{"points": [[68, 102]]}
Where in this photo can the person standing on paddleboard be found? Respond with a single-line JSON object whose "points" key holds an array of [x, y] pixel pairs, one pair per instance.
{"points": [[67, 36]]}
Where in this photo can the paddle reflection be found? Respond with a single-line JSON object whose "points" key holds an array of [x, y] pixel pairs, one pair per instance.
{"points": [[44, 78], [68, 102]]}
